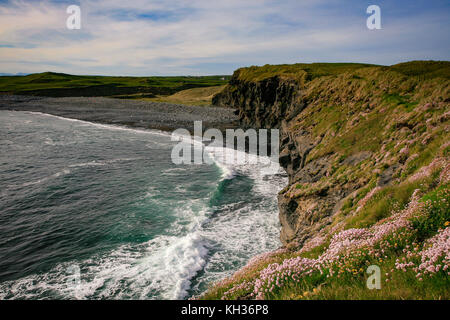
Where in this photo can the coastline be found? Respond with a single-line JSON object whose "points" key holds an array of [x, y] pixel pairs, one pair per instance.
{"points": [[129, 113], [193, 241]]}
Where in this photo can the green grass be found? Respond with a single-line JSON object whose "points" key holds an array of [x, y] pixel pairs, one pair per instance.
{"points": [[398, 113], [395, 284], [196, 96], [425, 153], [315, 252], [397, 100], [382, 204], [306, 71], [60, 84], [299, 70], [401, 286], [348, 141], [426, 227], [424, 69]]}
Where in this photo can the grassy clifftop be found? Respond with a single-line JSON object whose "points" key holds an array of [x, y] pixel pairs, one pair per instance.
{"points": [[366, 149], [296, 71], [424, 69]]}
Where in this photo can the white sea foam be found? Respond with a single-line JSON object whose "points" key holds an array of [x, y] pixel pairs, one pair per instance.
{"points": [[230, 161], [55, 175], [95, 163], [216, 154], [229, 230], [165, 266], [159, 269], [105, 126], [173, 171], [67, 171]]}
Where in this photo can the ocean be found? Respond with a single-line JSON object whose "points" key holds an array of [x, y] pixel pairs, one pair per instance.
{"points": [[92, 211]]}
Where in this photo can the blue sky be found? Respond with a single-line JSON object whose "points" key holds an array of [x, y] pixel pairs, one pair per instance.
{"points": [[198, 37]]}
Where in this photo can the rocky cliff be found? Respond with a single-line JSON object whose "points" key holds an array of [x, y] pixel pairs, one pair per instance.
{"points": [[345, 130]]}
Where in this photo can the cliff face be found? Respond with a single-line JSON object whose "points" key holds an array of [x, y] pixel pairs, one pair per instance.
{"points": [[262, 104], [345, 129]]}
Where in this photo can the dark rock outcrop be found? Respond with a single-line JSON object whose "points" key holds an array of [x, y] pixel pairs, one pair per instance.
{"points": [[273, 103], [262, 104], [344, 129]]}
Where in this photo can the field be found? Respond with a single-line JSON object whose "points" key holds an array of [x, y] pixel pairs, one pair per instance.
{"points": [[64, 85], [195, 96]]}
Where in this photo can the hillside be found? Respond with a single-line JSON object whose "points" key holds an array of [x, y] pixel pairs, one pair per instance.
{"points": [[52, 84], [195, 96], [366, 149]]}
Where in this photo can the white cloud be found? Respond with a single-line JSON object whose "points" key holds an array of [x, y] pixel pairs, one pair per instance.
{"points": [[120, 37]]}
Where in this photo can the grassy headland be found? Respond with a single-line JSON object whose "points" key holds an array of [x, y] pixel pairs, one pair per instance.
{"points": [[367, 152]]}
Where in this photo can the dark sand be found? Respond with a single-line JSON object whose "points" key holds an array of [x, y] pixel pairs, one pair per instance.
{"points": [[131, 113]]}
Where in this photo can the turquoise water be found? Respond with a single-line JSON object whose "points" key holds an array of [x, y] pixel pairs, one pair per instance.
{"points": [[109, 202]]}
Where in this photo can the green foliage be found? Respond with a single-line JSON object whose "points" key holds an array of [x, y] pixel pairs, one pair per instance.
{"points": [[315, 252], [397, 113], [438, 204], [60, 84], [425, 152], [398, 100], [384, 202], [424, 69], [303, 71], [352, 141], [421, 69]]}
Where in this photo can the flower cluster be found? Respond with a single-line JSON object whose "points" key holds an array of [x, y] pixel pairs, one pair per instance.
{"points": [[426, 171], [350, 251], [346, 250], [445, 174], [253, 263], [404, 151], [276, 275], [437, 256], [434, 258]]}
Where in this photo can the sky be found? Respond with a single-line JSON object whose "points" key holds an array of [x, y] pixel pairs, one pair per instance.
{"points": [[206, 37]]}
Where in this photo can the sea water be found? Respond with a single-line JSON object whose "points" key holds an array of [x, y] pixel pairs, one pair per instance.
{"points": [[107, 202]]}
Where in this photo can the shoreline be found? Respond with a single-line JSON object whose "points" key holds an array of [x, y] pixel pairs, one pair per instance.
{"points": [[129, 113], [225, 176]]}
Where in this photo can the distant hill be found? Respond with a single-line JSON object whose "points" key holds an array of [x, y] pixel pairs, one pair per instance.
{"points": [[65, 85]]}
